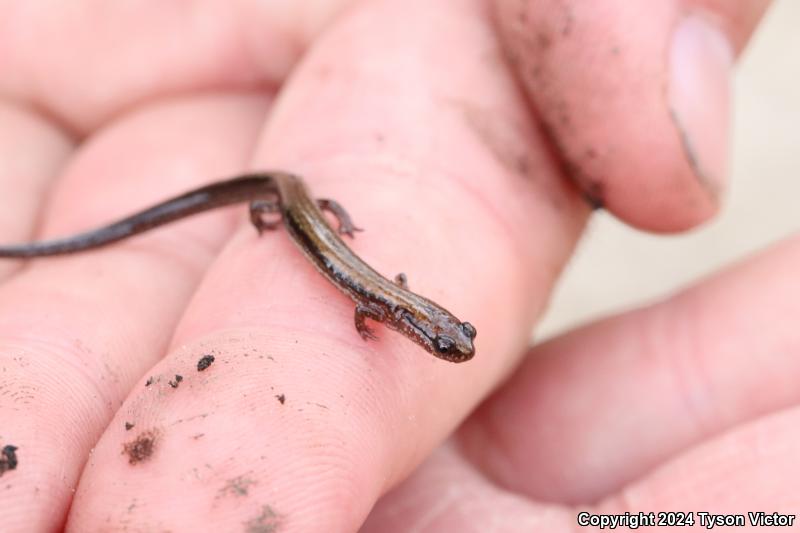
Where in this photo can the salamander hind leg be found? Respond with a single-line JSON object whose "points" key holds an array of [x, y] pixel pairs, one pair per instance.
{"points": [[364, 311], [346, 226], [259, 208]]}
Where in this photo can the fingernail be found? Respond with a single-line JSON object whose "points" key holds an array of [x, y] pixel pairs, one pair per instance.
{"points": [[701, 59]]}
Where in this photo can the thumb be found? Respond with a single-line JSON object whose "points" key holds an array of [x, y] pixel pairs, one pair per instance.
{"points": [[634, 97]]}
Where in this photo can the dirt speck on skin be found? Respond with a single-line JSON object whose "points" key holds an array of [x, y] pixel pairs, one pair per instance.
{"points": [[205, 362], [175, 382], [281, 398], [237, 486], [690, 152], [267, 521], [593, 192], [593, 188], [9, 460], [142, 447], [129, 426]]}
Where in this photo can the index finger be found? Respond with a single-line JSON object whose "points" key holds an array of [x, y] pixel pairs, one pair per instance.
{"points": [[407, 117]]}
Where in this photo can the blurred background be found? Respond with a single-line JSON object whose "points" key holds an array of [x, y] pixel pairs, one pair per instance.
{"points": [[616, 267]]}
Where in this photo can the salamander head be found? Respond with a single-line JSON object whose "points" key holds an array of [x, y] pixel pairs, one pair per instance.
{"points": [[438, 331], [454, 343]]}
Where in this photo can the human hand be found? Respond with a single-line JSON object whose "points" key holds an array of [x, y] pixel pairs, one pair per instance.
{"points": [[688, 405], [408, 116]]}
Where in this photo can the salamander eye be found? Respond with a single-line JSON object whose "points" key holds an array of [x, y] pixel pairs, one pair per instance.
{"points": [[469, 330], [444, 344]]}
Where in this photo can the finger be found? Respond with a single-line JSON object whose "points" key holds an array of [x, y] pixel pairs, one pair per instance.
{"points": [[31, 151], [757, 460], [597, 408], [447, 493], [172, 49], [634, 97], [77, 332], [433, 163]]}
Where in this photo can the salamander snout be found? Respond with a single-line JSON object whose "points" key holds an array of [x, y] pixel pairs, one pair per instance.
{"points": [[457, 346]]}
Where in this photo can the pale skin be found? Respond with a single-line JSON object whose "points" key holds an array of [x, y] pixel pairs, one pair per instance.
{"points": [[412, 120]]}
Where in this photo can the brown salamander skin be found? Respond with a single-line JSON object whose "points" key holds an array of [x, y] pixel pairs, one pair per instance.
{"points": [[418, 318]]}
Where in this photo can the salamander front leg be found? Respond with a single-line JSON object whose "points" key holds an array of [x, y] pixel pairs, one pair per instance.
{"points": [[346, 226], [258, 208], [364, 311], [401, 280]]}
